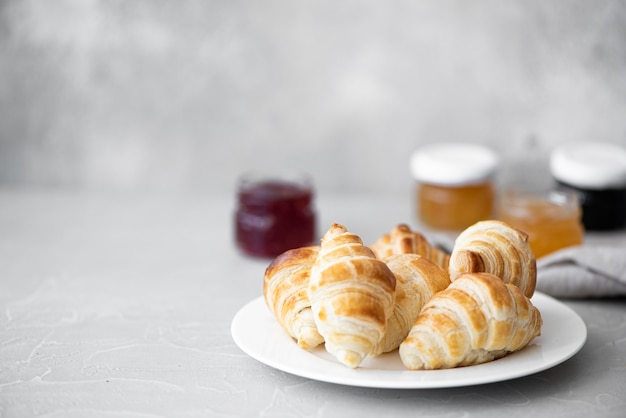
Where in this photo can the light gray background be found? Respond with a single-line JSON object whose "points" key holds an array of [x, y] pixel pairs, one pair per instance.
{"points": [[185, 95]]}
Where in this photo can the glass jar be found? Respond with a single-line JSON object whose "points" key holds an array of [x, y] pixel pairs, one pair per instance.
{"points": [[596, 172], [274, 214], [454, 185], [552, 220]]}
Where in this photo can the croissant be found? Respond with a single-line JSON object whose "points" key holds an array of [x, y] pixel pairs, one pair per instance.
{"points": [[478, 318], [498, 248], [417, 279], [285, 289], [402, 240], [352, 295]]}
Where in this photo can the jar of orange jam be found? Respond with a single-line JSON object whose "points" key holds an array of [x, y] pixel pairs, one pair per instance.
{"points": [[454, 185], [552, 220]]}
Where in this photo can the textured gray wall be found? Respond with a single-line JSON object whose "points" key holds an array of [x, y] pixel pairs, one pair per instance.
{"points": [[185, 95]]}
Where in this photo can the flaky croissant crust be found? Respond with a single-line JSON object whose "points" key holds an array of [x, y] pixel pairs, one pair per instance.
{"points": [[363, 301], [403, 240], [352, 295], [285, 289], [497, 248], [417, 279], [478, 318]]}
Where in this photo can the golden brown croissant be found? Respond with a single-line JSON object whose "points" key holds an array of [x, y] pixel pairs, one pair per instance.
{"points": [[285, 289], [352, 295], [417, 279], [478, 318], [403, 240], [498, 248]]}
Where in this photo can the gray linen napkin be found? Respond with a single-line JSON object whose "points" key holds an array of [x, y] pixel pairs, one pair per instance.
{"points": [[583, 272]]}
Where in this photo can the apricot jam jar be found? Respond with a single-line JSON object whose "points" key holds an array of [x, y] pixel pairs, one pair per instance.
{"points": [[551, 219], [454, 184], [596, 172], [274, 213]]}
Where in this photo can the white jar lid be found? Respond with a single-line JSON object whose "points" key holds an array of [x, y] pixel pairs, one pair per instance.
{"points": [[453, 164], [589, 165]]}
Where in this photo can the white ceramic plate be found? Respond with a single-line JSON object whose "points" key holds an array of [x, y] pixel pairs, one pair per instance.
{"points": [[256, 332]]}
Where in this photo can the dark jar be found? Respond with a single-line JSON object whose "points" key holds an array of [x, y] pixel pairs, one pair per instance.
{"points": [[274, 214], [596, 172]]}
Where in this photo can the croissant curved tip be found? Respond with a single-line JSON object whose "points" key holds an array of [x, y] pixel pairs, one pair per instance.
{"points": [[466, 261], [410, 359], [309, 338], [334, 231], [337, 228], [350, 358]]}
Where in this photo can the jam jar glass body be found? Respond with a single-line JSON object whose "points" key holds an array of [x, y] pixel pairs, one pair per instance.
{"points": [[274, 213], [454, 185], [552, 219]]}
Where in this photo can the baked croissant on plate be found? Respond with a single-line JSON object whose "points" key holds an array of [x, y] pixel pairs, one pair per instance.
{"points": [[498, 248], [285, 289], [352, 295], [403, 240], [478, 318], [417, 279]]}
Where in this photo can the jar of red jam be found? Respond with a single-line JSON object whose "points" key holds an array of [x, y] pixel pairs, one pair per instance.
{"points": [[454, 184], [596, 172], [274, 213]]}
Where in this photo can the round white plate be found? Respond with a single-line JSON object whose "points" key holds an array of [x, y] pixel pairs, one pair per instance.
{"points": [[257, 333]]}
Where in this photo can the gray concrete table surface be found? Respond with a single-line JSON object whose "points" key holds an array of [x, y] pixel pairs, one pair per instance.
{"points": [[121, 305]]}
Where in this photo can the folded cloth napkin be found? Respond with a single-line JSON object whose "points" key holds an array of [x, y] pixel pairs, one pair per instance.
{"points": [[584, 271]]}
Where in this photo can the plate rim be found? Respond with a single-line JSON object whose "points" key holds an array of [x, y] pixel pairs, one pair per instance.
{"points": [[367, 377]]}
